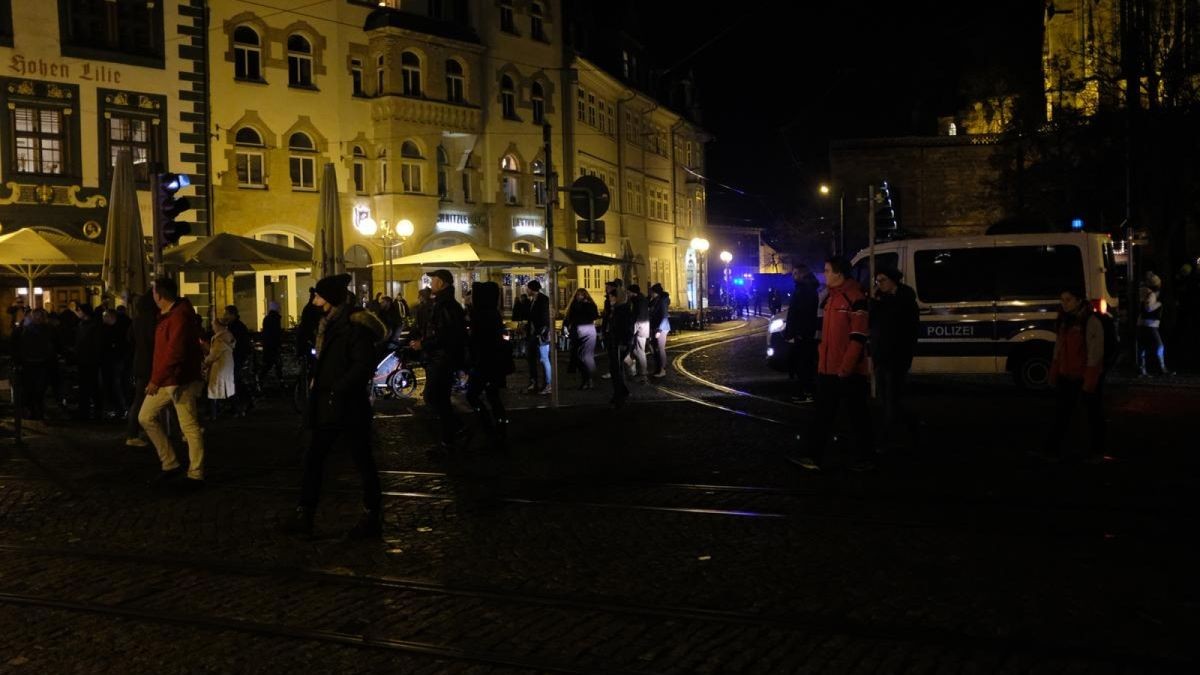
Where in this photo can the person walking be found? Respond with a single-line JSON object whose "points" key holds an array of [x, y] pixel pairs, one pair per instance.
{"points": [[617, 339], [660, 325], [34, 347], [606, 318], [841, 369], [801, 333], [538, 338], [639, 309], [1150, 342], [491, 360], [242, 349], [175, 381], [1077, 371], [339, 405], [272, 341], [141, 341], [444, 344], [89, 346], [581, 320], [895, 328], [218, 367]]}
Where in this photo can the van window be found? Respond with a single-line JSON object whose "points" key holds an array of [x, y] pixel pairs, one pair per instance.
{"points": [[1038, 272], [955, 274], [861, 272]]}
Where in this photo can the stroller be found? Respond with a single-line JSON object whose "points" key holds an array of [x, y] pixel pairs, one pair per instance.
{"points": [[394, 376]]}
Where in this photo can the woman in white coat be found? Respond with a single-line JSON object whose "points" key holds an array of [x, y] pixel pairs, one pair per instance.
{"points": [[219, 366]]}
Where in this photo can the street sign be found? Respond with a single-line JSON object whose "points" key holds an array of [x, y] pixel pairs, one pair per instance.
{"points": [[586, 186]]}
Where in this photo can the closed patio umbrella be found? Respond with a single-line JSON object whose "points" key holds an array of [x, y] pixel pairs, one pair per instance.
{"points": [[124, 271], [328, 256]]}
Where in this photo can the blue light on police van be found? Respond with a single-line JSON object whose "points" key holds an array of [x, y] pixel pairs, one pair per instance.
{"points": [[1077, 224], [739, 282]]}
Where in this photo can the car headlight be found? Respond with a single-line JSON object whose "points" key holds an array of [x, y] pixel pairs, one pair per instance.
{"points": [[776, 325]]}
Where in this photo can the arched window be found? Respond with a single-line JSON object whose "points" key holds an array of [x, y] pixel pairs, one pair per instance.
{"points": [[380, 75], [410, 67], [443, 160], [410, 166], [511, 178], [360, 170], [302, 161], [539, 182], [508, 98], [300, 61], [538, 98], [455, 82], [247, 54], [249, 158], [537, 28]]}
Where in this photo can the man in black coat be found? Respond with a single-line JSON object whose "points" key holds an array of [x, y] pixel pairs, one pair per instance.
{"points": [[801, 333], [242, 347], [272, 339], [618, 339], [444, 343], [339, 404], [895, 328]]}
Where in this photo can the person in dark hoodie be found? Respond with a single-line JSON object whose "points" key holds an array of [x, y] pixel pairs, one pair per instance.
{"points": [[141, 340], [272, 341], [444, 344], [895, 327], [490, 357], [339, 405], [618, 339], [89, 344], [801, 332], [660, 326]]}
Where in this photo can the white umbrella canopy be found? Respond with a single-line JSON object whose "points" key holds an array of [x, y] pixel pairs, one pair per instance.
{"points": [[31, 254], [124, 272], [227, 253], [469, 256], [328, 255]]}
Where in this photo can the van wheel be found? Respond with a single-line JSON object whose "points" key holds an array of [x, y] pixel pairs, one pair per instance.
{"points": [[1032, 369]]}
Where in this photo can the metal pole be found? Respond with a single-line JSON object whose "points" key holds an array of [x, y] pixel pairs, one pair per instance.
{"points": [[842, 223], [871, 263], [551, 274], [157, 228]]}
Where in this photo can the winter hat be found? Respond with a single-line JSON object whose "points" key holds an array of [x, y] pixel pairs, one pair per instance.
{"points": [[444, 275], [333, 289]]}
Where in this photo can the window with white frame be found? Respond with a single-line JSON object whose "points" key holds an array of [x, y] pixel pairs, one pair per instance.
{"points": [[300, 61], [538, 98], [537, 26], [380, 75], [40, 136], [455, 82], [591, 110], [443, 161], [302, 161], [508, 22], [580, 105], [539, 182], [135, 135], [511, 177], [247, 54], [360, 170], [410, 70], [356, 77], [249, 158], [508, 98], [410, 167], [383, 171]]}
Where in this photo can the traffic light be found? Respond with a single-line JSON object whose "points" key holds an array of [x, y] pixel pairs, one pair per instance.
{"points": [[590, 231], [167, 207], [885, 214]]}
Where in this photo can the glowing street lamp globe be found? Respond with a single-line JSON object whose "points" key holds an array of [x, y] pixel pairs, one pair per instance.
{"points": [[404, 228], [700, 244], [726, 257], [367, 227]]}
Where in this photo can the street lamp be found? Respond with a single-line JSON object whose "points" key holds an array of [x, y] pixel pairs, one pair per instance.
{"points": [[701, 246], [387, 238], [825, 191], [726, 257]]}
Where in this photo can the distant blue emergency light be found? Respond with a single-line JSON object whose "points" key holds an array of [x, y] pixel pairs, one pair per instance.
{"points": [[739, 282], [1077, 224]]}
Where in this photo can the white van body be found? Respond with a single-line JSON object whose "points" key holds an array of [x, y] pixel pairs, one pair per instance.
{"points": [[989, 303]]}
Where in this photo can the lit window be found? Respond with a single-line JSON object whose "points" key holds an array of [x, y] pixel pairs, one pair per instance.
{"points": [[300, 63], [511, 179], [302, 163], [539, 182], [538, 99], [247, 55], [249, 158], [410, 68], [133, 135], [410, 167], [455, 82], [508, 98], [40, 138]]}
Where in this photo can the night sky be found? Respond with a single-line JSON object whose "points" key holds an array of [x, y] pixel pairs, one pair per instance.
{"points": [[777, 84]]}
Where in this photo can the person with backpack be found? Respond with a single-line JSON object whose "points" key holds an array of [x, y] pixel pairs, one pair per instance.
{"points": [[1077, 371]]}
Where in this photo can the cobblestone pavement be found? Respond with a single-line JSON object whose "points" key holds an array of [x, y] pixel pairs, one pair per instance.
{"points": [[668, 537]]}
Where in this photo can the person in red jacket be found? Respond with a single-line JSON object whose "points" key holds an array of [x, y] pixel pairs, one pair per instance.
{"points": [[842, 369], [1077, 370], [175, 380]]}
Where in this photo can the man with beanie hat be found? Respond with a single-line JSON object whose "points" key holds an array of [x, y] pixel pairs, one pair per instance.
{"points": [[444, 343], [339, 405]]}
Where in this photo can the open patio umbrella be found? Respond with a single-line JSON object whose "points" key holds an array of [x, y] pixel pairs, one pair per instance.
{"points": [[568, 257], [328, 255], [227, 253], [124, 271], [469, 256], [31, 254]]}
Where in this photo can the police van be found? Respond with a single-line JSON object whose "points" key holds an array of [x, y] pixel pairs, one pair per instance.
{"points": [[988, 303]]}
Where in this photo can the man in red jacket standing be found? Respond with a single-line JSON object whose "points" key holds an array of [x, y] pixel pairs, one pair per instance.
{"points": [[842, 369], [175, 380]]}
